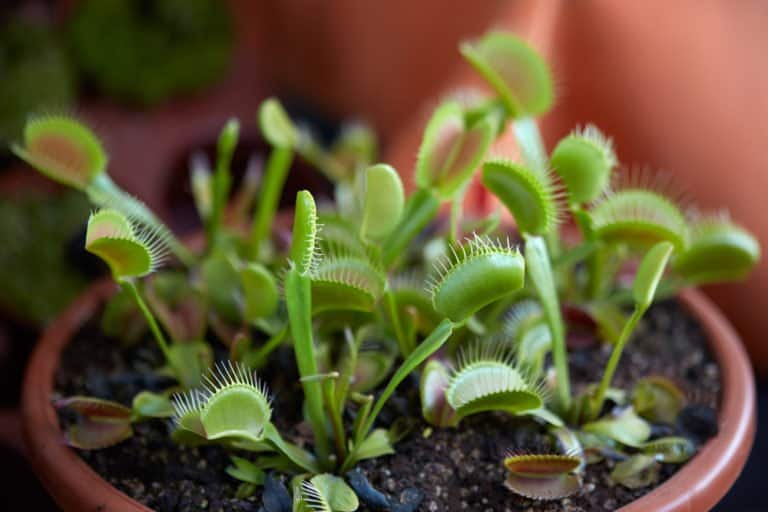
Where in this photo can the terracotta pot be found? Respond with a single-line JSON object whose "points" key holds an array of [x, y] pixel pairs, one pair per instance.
{"points": [[697, 486]]}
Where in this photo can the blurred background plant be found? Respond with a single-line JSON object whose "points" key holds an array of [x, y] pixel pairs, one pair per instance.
{"points": [[36, 74], [38, 273], [147, 51]]}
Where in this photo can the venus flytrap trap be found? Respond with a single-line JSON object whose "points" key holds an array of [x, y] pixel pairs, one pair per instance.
{"points": [[67, 151], [369, 293]]}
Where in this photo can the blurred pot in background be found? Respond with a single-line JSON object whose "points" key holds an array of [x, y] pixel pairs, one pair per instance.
{"points": [[372, 60]]}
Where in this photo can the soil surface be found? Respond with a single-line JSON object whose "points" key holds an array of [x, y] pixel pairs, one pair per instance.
{"points": [[440, 470]]}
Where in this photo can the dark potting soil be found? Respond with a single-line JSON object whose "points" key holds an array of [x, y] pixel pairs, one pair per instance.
{"points": [[453, 469]]}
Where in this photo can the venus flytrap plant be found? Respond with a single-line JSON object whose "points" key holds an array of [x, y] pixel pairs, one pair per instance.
{"points": [[719, 250], [324, 493], [67, 151], [130, 255], [221, 182], [584, 161], [647, 279], [298, 294], [234, 406], [282, 135], [488, 378], [359, 326], [543, 476], [452, 148]]}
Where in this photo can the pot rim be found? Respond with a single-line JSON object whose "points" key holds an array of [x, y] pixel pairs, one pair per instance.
{"points": [[697, 486]]}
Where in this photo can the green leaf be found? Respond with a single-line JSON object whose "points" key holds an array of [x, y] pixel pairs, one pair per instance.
{"points": [[375, 445], [719, 251], [675, 450], [433, 342], [346, 283], [190, 361], [298, 297], [260, 292], [355, 147], [650, 272], [130, 253], [584, 160], [488, 379], [383, 202], [201, 185], [234, 406], [63, 149], [658, 399], [451, 151], [435, 408], [100, 424], [152, 405], [180, 306], [373, 366], [516, 72], [276, 126], [480, 272], [420, 209], [299, 457], [304, 231], [223, 285], [636, 472], [627, 428], [328, 493], [245, 471], [531, 198], [639, 218], [540, 274]]}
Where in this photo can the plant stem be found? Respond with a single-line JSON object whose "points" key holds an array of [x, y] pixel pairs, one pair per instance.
{"points": [[156, 332], [405, 345], [419, 211], [540, 271], [425, 349], [528, 137], [613, 362], [279, 162], [366, 402], [298, 296], [456, 212], [221, 185], [260, 356], [334, 412], [105, 193]]}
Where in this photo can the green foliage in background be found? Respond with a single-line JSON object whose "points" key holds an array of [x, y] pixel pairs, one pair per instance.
{"points": [[36, 76], [145, 52], [36, 278]]}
